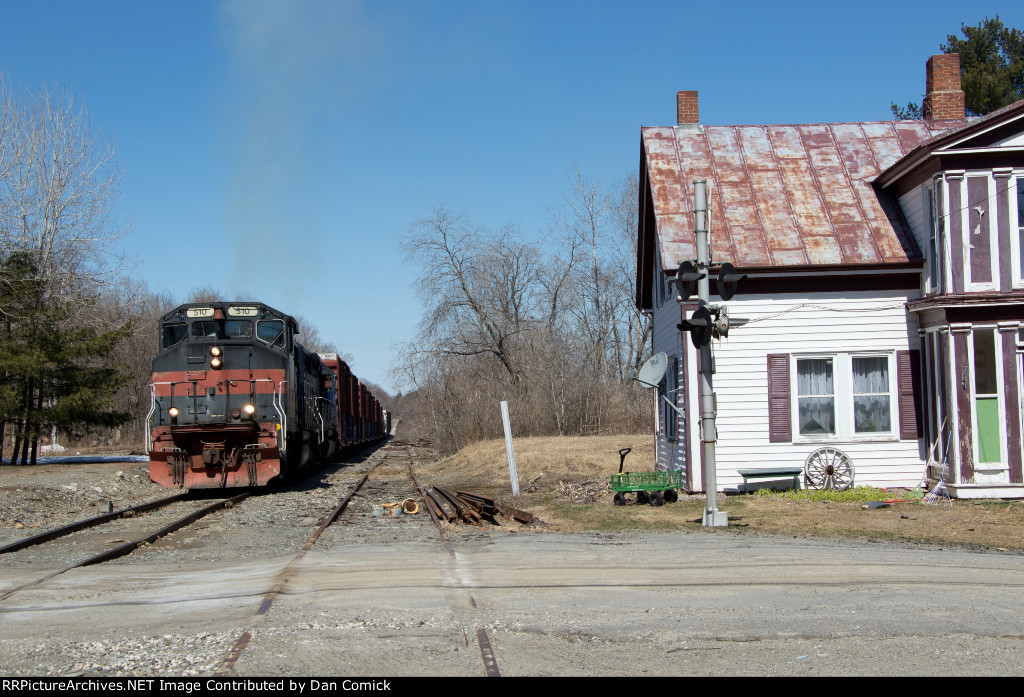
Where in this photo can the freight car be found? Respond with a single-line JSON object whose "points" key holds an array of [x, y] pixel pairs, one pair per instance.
{"points": [[238, 402]]}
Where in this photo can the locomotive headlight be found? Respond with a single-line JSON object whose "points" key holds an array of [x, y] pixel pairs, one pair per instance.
{"points": [[214, 362], [249, 409], [215, 351], [173, 411]]}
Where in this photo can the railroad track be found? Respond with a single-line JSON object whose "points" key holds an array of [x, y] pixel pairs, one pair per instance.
{"points": [[195, 512], [403, 455]]}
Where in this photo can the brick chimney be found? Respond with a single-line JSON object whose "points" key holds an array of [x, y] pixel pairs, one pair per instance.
{"points": [[944, 100], [686, 107]]}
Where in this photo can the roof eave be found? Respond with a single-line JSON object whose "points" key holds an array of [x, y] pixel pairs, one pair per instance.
{"points": [[942, 142]]}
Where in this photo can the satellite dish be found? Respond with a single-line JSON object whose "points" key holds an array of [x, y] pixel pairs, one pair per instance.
{"points": [[653, 370]]}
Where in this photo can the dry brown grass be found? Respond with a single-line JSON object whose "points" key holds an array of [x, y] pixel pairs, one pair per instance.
{"points": [[565, 483], [547, 468]]}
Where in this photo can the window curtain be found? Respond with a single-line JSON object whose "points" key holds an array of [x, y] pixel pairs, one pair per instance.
{"points": [[871, 401], [815, 391]]}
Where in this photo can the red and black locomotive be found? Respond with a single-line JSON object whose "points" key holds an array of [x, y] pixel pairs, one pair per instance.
{"points": [[238, 402]]}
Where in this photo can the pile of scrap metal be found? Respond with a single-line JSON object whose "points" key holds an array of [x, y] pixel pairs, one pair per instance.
{"points": [[470, 508]]}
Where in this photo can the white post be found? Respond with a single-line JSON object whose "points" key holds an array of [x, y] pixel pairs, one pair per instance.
{"points": [[508, 449]]}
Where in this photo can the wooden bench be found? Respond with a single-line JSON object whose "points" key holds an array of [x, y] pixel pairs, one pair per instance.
{"points": [[772, 473]]}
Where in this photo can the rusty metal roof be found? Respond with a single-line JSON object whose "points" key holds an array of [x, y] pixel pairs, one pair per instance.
{"points": [[783, 195]]}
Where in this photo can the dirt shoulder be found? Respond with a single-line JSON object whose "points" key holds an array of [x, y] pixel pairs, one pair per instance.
{"points": [[564, 482]]}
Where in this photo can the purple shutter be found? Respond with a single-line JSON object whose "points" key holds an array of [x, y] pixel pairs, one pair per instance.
{"points": [[779, 413], [908, 377]]}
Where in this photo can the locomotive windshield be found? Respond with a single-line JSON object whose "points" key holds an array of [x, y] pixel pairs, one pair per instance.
{"points": [[206, 329], [238, 329], [222, 329], [271, 331], [172, 334]]}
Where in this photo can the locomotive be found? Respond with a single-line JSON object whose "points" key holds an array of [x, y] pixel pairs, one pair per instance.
{"points": [[238, 402]]}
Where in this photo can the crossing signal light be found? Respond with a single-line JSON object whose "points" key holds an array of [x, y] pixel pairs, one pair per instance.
{"points": [[728, 279], [686, 280], [699, 325]]}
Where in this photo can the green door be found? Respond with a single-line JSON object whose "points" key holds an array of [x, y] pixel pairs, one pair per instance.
{"points": [[986, 397]]}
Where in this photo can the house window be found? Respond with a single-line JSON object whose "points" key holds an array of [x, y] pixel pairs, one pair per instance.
{"points": [[986, 395], [933, 217], [671, 417], [871, 397], [979, 246], [844, 396], [816, 404], [668, 388], [662, 422], [1020, 224]]}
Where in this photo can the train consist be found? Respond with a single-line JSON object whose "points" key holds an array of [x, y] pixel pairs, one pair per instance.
{"points": [[238, 402]]}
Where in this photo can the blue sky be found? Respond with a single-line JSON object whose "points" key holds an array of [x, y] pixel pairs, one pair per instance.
{"points": [[282, 149]]}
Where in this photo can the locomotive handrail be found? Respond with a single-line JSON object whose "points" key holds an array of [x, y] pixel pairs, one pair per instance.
{"points": [[149, 416], [319, 414], [279, 408], [278, 391], [152, 408]]}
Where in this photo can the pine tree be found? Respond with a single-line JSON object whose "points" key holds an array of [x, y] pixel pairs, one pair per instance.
{"points": [[991, 68], [52, 373]]}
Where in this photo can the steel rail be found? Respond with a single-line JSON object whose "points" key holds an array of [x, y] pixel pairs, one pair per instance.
{"points": [[228, 663], [129, 547], [482, 640], [90, 522]]}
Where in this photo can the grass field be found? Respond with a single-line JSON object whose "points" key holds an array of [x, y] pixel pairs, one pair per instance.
{"points": [[565, 483]]}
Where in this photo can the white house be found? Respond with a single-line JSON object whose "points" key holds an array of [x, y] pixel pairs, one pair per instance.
{"points": [[885, 291]]}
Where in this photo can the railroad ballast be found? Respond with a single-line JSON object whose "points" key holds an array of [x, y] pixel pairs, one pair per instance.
{"points": [[237, 401]]}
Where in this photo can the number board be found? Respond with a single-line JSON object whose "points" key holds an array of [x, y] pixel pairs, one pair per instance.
{"points": [[243, 311]]}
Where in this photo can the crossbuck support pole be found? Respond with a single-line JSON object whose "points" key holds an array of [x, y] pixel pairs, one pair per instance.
{"points": [[708, 433]]}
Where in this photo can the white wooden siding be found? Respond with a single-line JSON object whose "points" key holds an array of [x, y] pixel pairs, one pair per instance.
{"points": [[912, 204], [669, 455], [814, 323]]}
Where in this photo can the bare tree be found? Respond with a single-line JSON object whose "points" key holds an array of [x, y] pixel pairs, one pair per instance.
{"points": [[476, 286], [314, 342], [584, 217], [133, 304], [631, 322], [205, 294], [59, 184], [552, 327]]}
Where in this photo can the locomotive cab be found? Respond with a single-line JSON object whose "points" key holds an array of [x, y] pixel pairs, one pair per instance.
{"points": [[220, 401], [238, 402]]}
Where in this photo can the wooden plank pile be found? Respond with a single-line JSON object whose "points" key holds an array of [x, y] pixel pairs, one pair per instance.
{"points": [[470, 508]]}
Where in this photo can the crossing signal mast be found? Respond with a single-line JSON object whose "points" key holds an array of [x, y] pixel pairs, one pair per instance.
{"points": [[707, 321]]}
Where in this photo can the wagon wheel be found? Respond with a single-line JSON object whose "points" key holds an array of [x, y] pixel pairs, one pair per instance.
{"points": [[620, 499], [655, 498], [642, 497], [671, 496], [828, 468]]}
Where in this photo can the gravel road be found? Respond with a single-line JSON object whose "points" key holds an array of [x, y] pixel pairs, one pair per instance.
{"points": [[381, 596]]}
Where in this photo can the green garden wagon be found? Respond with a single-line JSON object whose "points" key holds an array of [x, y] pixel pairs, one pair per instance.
{"points": [[654, 488]]}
